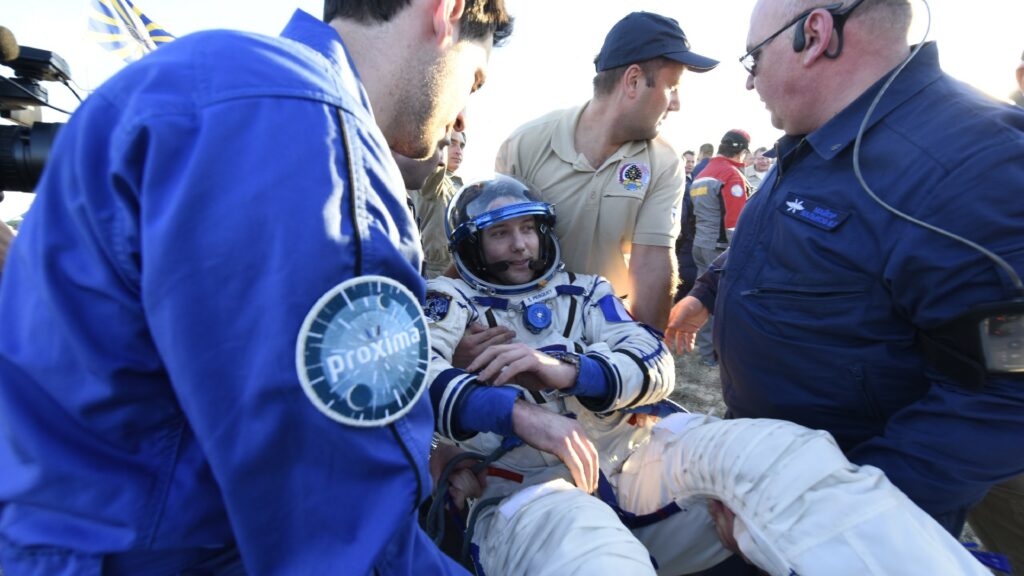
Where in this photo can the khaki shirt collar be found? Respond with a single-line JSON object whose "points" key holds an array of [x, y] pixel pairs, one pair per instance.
{"points": [[563, 143]]}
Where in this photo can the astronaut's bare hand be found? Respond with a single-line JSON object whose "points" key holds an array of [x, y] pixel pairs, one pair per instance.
{"points": [[462, 482], [477, 339], [560, 436], [520, 364], [685, 319], [724, 520]]}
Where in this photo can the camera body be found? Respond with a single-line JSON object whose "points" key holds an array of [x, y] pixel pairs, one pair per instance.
{"points": [[25, 142]]}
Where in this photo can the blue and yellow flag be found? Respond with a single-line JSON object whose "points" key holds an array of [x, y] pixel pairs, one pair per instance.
{"points": [[123, 29]]}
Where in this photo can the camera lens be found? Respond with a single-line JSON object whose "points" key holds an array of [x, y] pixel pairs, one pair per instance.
{"points": [[23, 153]]}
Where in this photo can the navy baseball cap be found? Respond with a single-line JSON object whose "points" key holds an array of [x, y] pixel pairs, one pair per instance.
{"points": [[643, 36]]}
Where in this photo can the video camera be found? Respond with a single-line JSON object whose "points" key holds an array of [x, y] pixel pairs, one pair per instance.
{"points": [[25, 142]]}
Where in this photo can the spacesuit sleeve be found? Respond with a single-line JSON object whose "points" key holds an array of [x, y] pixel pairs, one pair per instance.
{"points": [[462, 406], [638, 367]]}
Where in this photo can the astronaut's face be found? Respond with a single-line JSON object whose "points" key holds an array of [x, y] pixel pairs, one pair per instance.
{"points": [[514, 243]]}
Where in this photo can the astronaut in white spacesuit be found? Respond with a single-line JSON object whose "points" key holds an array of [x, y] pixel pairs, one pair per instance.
{"points": [[584, 388]]}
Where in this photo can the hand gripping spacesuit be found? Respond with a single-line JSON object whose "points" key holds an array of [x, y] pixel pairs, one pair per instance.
{"points": [[801, 507]]}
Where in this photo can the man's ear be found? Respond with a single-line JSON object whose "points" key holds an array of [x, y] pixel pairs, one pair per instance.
{"points": [[446, 15], [632, 78], [818, 31]]}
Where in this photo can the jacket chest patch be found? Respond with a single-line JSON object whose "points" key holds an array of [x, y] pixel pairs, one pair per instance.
{"points": [[813, 213]]}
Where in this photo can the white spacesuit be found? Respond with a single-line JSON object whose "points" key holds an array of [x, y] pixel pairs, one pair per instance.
{"points": [[547, 525], [650, 512]]}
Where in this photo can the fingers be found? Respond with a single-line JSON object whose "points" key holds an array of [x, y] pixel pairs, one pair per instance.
{"points": [[563, 437], [464, 484], [590, 463], [681, 340], [476, 340], [512, 367], [486, 364], [724, 520], [580, 457], [497, 360], [482, 335]]}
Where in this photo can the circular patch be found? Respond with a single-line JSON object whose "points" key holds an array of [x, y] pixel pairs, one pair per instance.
{"points": [[537, 317], [634, 176], [363, 351]]}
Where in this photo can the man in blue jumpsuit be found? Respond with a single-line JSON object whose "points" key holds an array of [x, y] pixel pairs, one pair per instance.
{"points": [[179, 389], [833, 312]]}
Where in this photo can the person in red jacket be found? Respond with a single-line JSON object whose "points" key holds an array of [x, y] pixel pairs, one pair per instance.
{"points": [[718, 194]]}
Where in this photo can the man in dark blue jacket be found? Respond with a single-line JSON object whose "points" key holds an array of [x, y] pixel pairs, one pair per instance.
{"points": [[210, 321], [834, 312]]}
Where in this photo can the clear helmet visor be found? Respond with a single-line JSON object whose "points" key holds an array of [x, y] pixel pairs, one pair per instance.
{"points": [[486, 203]]}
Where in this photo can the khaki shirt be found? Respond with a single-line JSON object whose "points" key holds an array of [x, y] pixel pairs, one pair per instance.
{"points": [[429, 206], [633, 198]]}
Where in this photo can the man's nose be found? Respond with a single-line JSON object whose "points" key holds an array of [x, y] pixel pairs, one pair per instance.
{"points": [[673, 101]]}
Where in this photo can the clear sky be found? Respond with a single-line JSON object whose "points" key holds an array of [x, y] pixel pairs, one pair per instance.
{"points": [[548, 63]]}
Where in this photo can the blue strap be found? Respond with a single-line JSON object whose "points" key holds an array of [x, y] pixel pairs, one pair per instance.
{"points": [[491, 302], [989, 559], [511, 441], [474, 556], [660, 409], [630, 520], [570, 290]]}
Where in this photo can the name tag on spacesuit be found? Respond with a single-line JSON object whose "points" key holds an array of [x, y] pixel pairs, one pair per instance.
{"points": [[546, 294]]}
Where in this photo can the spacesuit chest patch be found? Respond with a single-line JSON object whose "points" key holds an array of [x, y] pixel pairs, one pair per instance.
{"points": [[362, 352], [813, 213], [437, 306], [614, 310]]}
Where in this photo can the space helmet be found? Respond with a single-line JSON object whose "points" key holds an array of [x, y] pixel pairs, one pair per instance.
{"points": [[486, 203]]}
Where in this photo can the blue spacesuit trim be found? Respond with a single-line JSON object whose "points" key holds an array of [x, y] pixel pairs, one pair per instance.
{"points": [[491, 302], [569, 290], [632, 521]]}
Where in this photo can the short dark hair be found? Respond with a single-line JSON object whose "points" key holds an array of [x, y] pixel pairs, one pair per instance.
{"points": [[707, 149], [479, 18], [606, 80], [690, 152]]}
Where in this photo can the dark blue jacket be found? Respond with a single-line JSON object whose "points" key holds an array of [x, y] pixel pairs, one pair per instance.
{"points": [[824, 293], [194, 209]]}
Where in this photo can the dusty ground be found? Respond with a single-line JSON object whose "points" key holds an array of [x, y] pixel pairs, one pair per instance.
{"points": [[698, 388]]}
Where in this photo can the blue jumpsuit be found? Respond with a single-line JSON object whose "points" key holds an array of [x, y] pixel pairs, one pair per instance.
{"points": [[193, 211], [824, 293]]}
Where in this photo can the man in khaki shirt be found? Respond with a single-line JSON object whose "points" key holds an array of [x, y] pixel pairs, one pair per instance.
{"points": [[429, 205], [615, 184]]}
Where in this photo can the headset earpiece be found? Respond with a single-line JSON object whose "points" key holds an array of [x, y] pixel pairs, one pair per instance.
{"points": [[799, 40]]}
